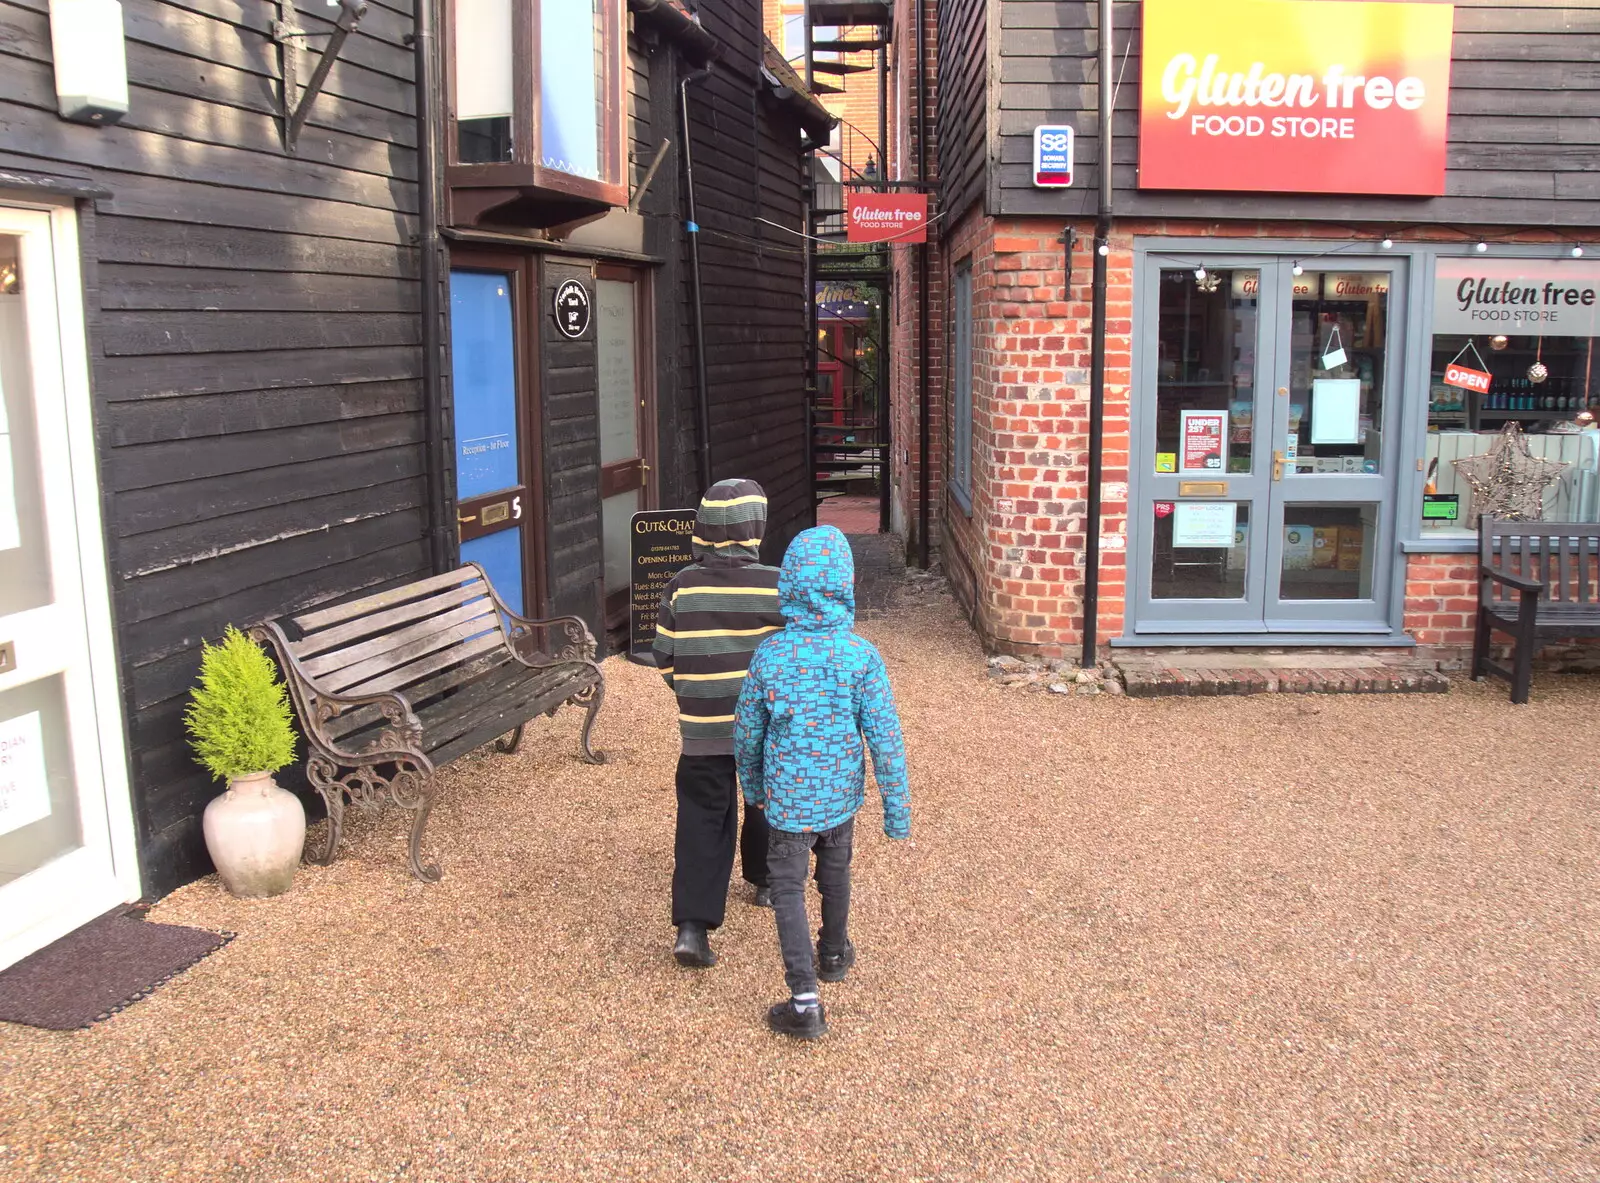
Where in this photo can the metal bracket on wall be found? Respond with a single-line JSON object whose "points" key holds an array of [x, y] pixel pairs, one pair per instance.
{"points": [[291, 41]]}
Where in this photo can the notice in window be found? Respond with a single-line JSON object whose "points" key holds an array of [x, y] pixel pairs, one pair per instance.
{"points": [[1204, 523], [24, 787], [1204, 442], [1336, 411]]}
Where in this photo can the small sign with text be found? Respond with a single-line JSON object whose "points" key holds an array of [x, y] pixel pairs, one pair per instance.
{"points": [[1052, 156]]}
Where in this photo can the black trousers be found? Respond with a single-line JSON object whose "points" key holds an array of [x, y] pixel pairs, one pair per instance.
{"points": [[708, 826]]}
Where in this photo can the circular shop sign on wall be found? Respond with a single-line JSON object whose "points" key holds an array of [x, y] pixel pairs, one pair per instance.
{"points": [[572, 308]]}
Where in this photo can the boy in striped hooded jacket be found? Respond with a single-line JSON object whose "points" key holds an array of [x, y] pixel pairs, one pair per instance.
{"points": [[714, 613]]}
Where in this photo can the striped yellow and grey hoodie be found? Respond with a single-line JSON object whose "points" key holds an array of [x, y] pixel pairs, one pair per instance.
{"points": [[715, 613]]}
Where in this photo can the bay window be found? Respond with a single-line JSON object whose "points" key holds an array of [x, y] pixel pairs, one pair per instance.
{"points": [[538, 109]]}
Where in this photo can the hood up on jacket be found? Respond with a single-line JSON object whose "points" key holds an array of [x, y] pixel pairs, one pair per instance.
{"points": [[817, 589], [731, 521]]}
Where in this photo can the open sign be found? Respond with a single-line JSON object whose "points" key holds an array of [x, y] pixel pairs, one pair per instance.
{"points": [[1466, 378]]}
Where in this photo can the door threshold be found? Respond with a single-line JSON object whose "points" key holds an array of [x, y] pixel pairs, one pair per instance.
{"points": [[1284, 641]]}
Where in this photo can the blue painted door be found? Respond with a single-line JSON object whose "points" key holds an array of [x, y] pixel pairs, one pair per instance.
{"points": [[491, 497]]}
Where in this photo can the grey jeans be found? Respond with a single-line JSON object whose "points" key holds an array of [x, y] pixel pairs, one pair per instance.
{"points": [[788, 857]]}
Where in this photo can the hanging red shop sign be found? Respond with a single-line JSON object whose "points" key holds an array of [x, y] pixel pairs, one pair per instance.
{"points": [[1467, 379], [888, 217], [1295, 96]]}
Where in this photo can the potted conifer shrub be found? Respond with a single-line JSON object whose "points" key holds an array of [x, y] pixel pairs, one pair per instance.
{"points": [[240, 727]]}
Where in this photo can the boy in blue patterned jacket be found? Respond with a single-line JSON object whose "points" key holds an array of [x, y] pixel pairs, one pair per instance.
{"points": [[813, 692]]}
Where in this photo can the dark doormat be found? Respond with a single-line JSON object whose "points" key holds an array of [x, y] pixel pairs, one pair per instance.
{"points": [[90, 974]]}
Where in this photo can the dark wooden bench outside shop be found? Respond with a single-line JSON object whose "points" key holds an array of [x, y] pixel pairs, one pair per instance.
{"points": [[392, 686], [1537, 581]]}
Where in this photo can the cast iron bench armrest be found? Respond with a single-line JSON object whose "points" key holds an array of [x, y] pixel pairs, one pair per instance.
{"points": [[528, 637], [1520, 582], [319, 707]]}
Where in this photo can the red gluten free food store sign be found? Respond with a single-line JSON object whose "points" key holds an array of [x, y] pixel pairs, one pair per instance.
{"points": [[880, 217], [1295, 96]]}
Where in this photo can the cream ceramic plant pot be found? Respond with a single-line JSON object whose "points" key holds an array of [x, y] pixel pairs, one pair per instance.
{"points": [[255, 833]]}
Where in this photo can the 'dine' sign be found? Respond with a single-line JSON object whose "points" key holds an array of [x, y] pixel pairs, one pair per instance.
{"points": [[1295, 96], [888, 217]]}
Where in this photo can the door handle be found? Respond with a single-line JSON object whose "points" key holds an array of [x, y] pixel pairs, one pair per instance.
{"points": [[1277, 466], [462, 521]]}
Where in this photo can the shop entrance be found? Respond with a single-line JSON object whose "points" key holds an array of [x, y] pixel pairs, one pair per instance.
{"points": [[1265, 446]]}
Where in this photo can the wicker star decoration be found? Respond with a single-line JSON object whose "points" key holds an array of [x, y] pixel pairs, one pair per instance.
{"points": [[1508, 481]]}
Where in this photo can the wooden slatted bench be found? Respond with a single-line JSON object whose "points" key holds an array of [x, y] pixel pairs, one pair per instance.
{"points": [[392, 686], [1537, 581]]}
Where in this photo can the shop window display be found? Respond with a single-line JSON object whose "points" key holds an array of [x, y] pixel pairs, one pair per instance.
{"points": [[1514, 341]]}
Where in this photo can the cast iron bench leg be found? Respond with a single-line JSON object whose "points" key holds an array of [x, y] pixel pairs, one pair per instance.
{"points": [[597, 696], [427, 872], [510, 747], [332, 793]]}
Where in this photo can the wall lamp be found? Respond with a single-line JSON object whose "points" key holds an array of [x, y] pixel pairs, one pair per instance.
{"points": [[91, 62]]}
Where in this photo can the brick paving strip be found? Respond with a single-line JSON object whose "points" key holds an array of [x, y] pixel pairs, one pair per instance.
{"points": [[1200, 673]]}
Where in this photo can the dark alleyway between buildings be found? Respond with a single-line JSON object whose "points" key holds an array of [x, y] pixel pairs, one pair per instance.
{"points": [[1310, 938]]}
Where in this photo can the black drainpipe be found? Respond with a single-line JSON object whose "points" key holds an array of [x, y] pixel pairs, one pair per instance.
{"points": [[440, 527], [702, 403], [924, 396], [1097, 362]]}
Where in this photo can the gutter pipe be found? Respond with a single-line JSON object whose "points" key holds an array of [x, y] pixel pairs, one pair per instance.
{"points": [[1097, 362], [924, 396], [702, 397]]}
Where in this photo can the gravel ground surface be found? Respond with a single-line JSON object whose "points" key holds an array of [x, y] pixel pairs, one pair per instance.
{"points": [[1280, 938]]}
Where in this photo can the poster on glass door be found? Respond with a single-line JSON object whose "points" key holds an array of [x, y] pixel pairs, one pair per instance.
{"points": [[1204, 441], [1206, 524]]}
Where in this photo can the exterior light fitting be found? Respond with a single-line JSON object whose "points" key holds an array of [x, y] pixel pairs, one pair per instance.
{"points": [[1199, 272], [1577, 252], [91, 61], [1388, 244], [1481, 248], [1104, 249], [1299, 270]]}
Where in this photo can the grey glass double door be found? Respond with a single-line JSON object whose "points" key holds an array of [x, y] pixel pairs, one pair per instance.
{"points": [[1265, 446]]}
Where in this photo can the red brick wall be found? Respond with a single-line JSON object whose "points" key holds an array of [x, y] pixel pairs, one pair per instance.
{"points": [[1441, 599], [905, 470]]}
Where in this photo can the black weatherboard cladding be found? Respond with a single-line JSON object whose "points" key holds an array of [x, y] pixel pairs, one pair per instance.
{"points": [[569, 398], [747, 167], [1524, 143], [963, 114], [254, 346]]}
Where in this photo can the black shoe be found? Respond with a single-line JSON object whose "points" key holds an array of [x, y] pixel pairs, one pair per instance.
{"points": [[834, 967], [693, 949], [763, 897], [784, 1019]]}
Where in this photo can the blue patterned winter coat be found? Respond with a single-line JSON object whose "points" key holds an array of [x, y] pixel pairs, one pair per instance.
{"points": [[813, 692]]}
